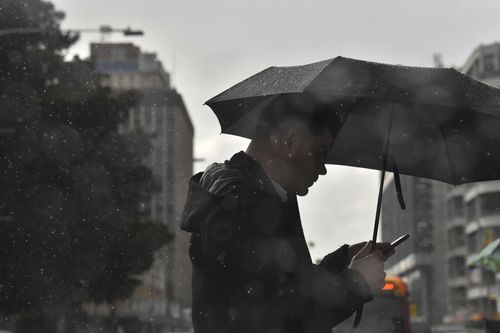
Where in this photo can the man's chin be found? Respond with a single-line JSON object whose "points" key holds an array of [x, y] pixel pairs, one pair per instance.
{"points": [[303, 192]]}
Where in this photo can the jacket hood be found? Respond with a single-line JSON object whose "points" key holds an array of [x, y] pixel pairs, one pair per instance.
{"points": [[198, 202], [205, 189], [238, 175]]}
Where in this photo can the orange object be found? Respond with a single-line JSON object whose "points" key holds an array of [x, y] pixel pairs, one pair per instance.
{"points": [[395, 285], [388, 286]]}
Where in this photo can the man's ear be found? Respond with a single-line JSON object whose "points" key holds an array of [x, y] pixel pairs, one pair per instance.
{"points": [[287, 141], [283, 141]]}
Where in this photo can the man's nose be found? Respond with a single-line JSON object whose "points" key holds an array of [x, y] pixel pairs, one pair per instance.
{"points": [[322, 170]]}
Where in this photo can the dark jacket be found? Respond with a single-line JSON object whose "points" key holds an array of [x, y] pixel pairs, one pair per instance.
{"points": [[252, 271]]}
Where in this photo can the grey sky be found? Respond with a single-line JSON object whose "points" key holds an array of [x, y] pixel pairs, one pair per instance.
{"points": [[217, 43]]}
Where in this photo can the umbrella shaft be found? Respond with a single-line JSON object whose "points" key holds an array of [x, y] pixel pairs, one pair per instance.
{"points": [[382, 177], [379, 205]]}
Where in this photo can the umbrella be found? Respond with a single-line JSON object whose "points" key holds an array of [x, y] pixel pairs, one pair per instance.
{"points": [[434, 123], [489, 257]]}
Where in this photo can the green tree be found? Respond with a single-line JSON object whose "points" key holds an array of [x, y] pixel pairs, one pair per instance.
{"points": [[72, 227]]}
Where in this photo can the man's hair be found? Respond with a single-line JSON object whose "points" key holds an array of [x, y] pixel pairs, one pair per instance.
{"points": [[301, 109]]}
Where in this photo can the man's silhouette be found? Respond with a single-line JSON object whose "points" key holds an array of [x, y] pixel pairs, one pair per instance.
{"points": [[252, 271]]}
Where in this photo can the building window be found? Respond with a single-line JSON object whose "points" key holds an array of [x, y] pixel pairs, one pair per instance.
{"points": [[471, 210], [458, 298], [455, 207], [488, 277], [490, 203], [489, 63], [456, 267], [456, 238], [479, 239], [472, 242]]}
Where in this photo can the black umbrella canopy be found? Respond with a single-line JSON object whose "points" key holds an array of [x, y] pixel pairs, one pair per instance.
{"points": [[356, 78], [428, 122]]}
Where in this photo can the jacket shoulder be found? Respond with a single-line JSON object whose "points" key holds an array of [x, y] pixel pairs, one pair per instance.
{"points": [[222, 180]]}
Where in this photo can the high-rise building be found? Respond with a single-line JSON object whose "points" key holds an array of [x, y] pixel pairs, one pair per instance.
{"points": [[163, 299], [473, 221], [420, 260], [456, 252], [484, 64], [474, 218], [441, 270]]}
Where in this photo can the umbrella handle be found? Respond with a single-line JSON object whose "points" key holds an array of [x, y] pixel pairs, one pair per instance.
{"points": [[397, 182]]}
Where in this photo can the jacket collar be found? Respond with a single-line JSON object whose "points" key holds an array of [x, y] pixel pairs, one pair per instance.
{"points": [[254, 170]]}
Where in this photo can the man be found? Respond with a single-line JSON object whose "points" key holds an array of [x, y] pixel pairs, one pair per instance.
{"points": [[252, 271]]}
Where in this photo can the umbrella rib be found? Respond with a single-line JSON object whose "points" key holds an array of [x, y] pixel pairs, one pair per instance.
{"points": [[448, 155]]}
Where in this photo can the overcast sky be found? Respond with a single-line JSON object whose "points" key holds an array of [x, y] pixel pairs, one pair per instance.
{"points": [[209, 45]]}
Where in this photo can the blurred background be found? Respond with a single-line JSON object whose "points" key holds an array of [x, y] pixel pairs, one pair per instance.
{"points": [[103, 123]]}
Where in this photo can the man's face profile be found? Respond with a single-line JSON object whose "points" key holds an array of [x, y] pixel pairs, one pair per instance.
{"points": [[304, 156]]}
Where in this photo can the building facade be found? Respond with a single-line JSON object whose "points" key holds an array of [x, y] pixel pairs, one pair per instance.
{"points": [[473, 222], [484, 64], [456, 252], [449, 226], [419, 261], [473, 213], [163, 300]]}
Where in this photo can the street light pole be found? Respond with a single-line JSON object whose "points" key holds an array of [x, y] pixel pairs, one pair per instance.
{"points": [[106, 30], [103, 30], [21, 31]]}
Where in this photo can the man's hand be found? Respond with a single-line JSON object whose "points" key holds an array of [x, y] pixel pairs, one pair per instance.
{"points": [[370, 265], [355, 248]]}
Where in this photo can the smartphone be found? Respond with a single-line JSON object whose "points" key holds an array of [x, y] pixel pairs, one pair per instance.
{"points": [[395, 243]]}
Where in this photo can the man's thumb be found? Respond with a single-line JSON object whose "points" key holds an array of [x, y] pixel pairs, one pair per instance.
{"points": [[366, 250]]}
